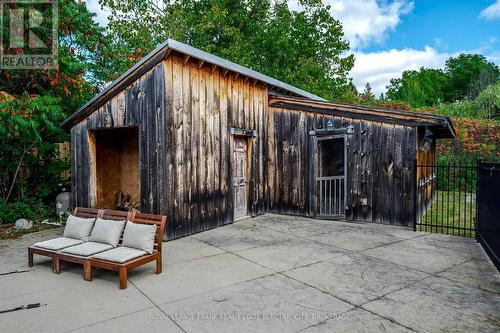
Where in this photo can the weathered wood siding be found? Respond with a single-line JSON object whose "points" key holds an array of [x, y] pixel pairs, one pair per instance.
{"points": [[203, 103], [142, 104], [184, 110], [380, 161]]}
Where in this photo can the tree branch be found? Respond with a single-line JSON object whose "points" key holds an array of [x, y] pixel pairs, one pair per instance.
{"points": [[17, 171]]}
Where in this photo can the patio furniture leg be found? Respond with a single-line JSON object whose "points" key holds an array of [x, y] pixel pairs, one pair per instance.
{"points": [[122, 271], [56, 264], [30, 257], [87, 270], [158, 264]]}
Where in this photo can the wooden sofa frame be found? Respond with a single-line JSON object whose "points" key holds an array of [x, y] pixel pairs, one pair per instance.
{"points": [[123, 268], [79, 212]]}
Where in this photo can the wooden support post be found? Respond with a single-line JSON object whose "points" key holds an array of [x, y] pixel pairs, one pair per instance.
{"points": [[158, 264], [122, 271], [56, 264], [30, 257], [87, 269]]}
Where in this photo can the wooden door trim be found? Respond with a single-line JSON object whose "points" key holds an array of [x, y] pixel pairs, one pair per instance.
{"points": [[248, 173]]}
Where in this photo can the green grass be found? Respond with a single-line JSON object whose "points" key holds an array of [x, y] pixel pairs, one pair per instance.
{"points": [[451, 213]]}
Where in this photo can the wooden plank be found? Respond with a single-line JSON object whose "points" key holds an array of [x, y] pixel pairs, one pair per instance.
{"points": [[180, 226], [387, 188], [170, 146], [398, 202], [216, 149], [210, 138], [365, 170], [195, 144], [186, 142], [376, 210], [224, 148], [202, 161], [161, 165]]}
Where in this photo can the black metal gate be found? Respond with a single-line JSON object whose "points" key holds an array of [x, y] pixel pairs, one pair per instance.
{"points": [[488, 226], [446, 199]]}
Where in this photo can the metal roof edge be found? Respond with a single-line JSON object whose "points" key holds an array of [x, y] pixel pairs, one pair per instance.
{"points": [[199, 54]]}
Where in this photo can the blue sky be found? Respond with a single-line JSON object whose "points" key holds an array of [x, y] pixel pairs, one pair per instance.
{"points": [[448, 25], [390, 36]]}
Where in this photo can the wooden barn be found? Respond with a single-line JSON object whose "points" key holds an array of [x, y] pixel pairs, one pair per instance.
{"points": [[206, 141]]}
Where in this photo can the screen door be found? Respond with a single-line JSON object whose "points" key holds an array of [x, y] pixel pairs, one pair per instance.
{"points": [[330, 176]]}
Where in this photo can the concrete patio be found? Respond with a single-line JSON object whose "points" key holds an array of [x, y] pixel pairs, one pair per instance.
{"points": [[272, 273]]}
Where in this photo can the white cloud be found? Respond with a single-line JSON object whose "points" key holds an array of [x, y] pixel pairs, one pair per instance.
{"points": [[366, 22], [378, 68], [101, 13], [492, 12]]}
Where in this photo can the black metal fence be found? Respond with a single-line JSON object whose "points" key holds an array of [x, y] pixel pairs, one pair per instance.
{"points": [[488, 226], [446, 199]]}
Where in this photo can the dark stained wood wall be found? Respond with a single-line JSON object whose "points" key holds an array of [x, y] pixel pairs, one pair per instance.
{"points": [[185, 111], [380, 161], [203, 103], [142, 104]]}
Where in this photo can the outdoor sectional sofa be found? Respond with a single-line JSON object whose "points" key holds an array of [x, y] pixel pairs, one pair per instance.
{"points": [[106, 239]]}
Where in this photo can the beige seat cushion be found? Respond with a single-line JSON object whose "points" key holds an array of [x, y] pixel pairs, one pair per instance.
{"points": [[78, 227], [107, 231], [87, 249], [120, 254], [139, 236], [59, 243]]}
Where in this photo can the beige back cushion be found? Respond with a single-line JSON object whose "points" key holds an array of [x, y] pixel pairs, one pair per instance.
{"points": [[139, 236], [107, 231], [78, 227]]}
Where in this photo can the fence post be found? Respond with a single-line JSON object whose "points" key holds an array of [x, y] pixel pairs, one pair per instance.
{"points": [[415, 193], [478, 168]]}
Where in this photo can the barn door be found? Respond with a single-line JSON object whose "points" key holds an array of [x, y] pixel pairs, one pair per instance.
{"points": [[239, 166], [330, 177]]}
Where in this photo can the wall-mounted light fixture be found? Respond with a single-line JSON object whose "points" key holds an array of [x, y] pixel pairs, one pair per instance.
{"points": [[329, 125], [427, 140], [350, 129]]}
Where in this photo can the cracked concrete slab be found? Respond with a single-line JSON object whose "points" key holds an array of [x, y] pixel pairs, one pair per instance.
{"points": [[151, 320], [355, 239], [185, 249], [479, 272], [424, 253], [359, 321], [298, 226], [356, 278], [241, 236], [70, 303], [290, 254], [280, 304], [440, 305], [185, 279], [225, 270]]}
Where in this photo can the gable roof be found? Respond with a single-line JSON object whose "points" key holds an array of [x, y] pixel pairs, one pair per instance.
{"points": [[441, 126], [160, 53]]}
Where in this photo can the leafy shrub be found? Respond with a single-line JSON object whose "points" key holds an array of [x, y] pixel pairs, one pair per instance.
{"points": [[26, 208]]}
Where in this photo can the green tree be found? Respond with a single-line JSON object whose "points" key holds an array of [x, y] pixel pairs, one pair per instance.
{"points": [[305, 48], [34, 102], [488, 101], [425, 87], [469, 74], [367, 93]]}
